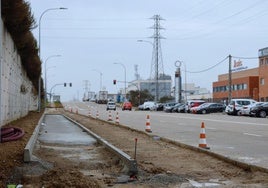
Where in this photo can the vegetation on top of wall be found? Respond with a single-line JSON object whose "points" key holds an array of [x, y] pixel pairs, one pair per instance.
{"points": [[19, 21]]}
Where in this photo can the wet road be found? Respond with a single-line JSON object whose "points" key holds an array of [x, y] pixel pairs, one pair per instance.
{"points": [[59, 130]]}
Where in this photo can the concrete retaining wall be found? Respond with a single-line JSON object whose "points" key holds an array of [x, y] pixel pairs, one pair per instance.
{"points": [[16, 90]]}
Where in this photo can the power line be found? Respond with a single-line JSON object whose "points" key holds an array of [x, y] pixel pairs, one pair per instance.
{"points": [[209, 67]]}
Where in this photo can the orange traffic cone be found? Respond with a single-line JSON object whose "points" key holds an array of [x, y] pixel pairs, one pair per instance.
{"points": [[202, 140], [148, 126], [117, 118], [110, 116], [97, 115]]}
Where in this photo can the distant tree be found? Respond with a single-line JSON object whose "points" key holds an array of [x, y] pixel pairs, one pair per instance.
{"points": [[139, 97]]}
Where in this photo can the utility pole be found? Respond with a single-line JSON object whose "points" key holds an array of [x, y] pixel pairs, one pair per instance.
{"points": [[86, 88], [157, 61], [230, 79]]}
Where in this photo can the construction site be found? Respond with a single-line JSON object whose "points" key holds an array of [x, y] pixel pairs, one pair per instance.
{"points": [[154, 161]]}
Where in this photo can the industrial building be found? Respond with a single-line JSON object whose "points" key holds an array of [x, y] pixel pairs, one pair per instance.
{"points": [[249, 83]]}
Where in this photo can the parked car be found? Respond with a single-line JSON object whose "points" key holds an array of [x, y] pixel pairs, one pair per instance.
{"points": [[169, 106], [245, 111], [260, 110], [193, 103], [181, 109], [236, 105], [177, 107], [141, 107], [159, 106], [127, 106], [206, 108], [149, 105], [111, 106]]}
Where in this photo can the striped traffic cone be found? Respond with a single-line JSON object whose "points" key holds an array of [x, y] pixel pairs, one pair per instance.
{"points": [[148, 125], [97, 115], [117, 118], [110, 116], [202, 140]]}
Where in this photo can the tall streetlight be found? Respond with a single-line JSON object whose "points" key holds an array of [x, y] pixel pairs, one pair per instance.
{"points": [[46, 74], [125, 77], [178, 64], [100, 77], [39, 47]]}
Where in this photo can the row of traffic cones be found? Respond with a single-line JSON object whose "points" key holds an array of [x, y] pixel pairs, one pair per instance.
{"points": [[202, 138], [109, 116]]}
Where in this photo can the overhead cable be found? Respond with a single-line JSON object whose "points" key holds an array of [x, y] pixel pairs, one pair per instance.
{"points": [[209, 67]]}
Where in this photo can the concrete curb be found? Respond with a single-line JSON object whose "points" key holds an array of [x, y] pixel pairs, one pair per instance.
{"points": [[28, 150], [243, 165], [130, 162]]}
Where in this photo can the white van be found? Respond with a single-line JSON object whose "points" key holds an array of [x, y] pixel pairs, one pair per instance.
{"points": [[149, 105], [236, 105]]}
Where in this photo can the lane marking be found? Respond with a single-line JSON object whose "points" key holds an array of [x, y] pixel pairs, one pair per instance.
{"points": [[252, 134], [214, 120]]}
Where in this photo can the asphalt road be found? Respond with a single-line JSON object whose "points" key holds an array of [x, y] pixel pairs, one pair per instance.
{"points": [[241, 138]]}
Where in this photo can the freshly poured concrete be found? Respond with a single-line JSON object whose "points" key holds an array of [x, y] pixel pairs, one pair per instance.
{"points": [[57, 129]]}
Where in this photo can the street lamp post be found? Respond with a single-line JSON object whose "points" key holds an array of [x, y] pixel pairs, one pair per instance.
{"points": [[39, 47], [125, 70], [178, 64], [100, 77], [46, 74]]}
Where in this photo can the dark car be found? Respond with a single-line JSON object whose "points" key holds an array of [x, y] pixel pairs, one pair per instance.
{"points": [[178, 108], [260, 111], [159, 107], [208, 108], [169, 106]]}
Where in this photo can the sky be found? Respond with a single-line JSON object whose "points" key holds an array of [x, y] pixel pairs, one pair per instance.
{"points": [[80, 43]]}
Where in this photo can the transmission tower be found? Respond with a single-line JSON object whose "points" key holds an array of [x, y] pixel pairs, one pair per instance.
{"points": [[157, 67]]}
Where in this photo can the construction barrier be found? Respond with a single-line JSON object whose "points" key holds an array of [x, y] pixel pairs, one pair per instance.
{"points": [[110, 116], [202, 140], [117, 118], [148, 124]]}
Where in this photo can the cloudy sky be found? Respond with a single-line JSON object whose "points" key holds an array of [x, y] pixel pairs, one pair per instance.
{"points": [[91, 35]]}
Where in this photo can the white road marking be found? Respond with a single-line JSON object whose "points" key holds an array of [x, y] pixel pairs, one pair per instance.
{"points": [[214, 120], [252, 134]]}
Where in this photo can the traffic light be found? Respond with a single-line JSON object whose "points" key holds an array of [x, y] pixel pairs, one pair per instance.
{"points": [[114, 82], [70, 84], [64, 84]]}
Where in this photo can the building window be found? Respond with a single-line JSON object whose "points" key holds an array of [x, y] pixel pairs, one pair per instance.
{"points": [[261, 62], [245, 86], [262, 81]]}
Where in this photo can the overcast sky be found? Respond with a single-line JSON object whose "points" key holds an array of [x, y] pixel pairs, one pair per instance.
{"points": [[93, 34]]}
